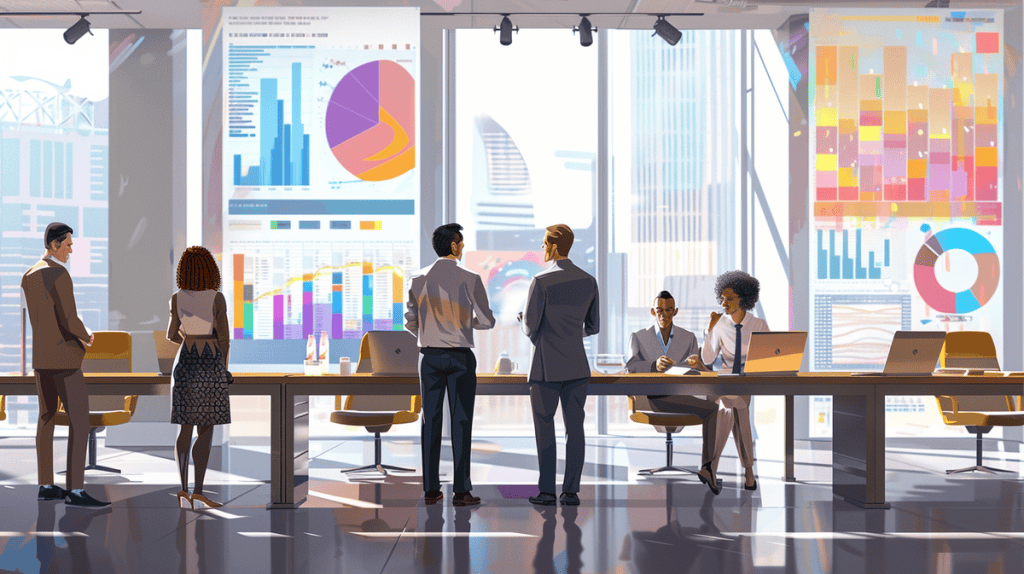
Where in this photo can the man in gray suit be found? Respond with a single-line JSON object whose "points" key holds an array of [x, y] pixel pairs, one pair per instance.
{"points": [[657, 349], [561, 309]]}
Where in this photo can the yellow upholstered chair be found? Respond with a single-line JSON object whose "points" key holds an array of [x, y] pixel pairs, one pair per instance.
{"points": [[111, 352], [376, 413], [978, 414], [3, 408], [642, 412]]}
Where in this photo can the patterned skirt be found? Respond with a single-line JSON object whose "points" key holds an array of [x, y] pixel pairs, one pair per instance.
{"points": [[200, 384]]}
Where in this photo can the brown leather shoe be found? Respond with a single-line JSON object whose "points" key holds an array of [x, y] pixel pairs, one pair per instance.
{"points": [[465, 499], [432, 496]]}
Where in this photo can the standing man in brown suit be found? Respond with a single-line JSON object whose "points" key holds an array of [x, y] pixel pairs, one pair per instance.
{"points": [[58, 345]]}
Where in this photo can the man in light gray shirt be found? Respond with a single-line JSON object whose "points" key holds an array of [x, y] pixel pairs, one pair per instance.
{"points": [[561, 309], [446, 302]]}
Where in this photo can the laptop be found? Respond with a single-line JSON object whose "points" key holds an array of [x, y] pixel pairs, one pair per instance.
{"points": [[912, 353], [777, 353], [393, 353]]}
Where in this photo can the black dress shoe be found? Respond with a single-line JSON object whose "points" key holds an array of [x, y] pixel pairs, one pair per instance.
{"points": [[465, 499], [432, 496], [751, 487], [569, 499], [52, 492], [711, 481], [81, 499], [544, 499]]}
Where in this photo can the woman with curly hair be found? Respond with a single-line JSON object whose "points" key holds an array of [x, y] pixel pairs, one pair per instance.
{"points": [[199, 321], [728, 335]]}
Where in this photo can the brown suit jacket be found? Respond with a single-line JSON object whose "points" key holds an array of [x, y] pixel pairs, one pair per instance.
{"points": [[57, 330]]}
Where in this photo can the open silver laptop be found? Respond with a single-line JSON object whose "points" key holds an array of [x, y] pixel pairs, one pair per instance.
{"points": [[912, 353], [776, 353], [393, 353]]}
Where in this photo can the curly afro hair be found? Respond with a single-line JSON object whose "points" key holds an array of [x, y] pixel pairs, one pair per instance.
{"points": [[197, 270], [742, 284]]}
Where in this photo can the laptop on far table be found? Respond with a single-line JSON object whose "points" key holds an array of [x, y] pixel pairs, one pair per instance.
{"points": [[393, 353], [775, 353], [912, 353]]}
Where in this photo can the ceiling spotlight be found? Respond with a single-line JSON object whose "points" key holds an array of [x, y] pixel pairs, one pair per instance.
{"points": [[77, 30], [667, 31], [585, 30], [506, 31]]}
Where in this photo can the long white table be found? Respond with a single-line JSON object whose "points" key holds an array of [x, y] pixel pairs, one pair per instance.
{"points": [[858, 442]]}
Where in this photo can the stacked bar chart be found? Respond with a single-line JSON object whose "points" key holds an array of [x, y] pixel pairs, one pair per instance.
{"points": [[291, 292], [255, 110]]}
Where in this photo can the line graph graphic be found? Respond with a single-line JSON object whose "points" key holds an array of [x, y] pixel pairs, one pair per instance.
{"points": [[853, 331]]}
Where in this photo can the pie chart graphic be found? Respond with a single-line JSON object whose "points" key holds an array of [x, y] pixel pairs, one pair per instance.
{"points": [[942, 299], [371, 121]]}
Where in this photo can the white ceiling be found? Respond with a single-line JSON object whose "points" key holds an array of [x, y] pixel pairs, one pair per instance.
{"points": [[738, 14]]}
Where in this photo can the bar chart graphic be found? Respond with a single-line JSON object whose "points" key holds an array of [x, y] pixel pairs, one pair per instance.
{"points": [[839, 257], [257, 109], [371, 121], [907, 116], [293, 292]]}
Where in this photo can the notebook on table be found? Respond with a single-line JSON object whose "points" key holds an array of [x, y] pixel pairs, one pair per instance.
{"points": [[773, 353], [911, 353], [393, 353]]}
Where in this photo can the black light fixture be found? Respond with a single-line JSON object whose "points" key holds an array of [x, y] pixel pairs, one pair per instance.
{"points": [[585, 30], [667, 31], [77, 30], [506, 31]]}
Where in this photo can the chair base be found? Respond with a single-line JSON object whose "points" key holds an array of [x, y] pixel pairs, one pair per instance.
{"points": [[381, 468], [977, 468], [91, 462], [650, 471]]}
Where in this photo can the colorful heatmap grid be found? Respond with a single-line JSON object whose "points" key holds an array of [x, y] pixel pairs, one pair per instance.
{"points": [[885, 147], [294, 298]]}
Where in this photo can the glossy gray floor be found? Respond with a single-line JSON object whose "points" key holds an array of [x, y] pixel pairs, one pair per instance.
{"points": [[366, 523]]}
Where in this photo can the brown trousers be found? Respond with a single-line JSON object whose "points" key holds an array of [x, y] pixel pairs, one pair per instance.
{"points": [[69, 386]]}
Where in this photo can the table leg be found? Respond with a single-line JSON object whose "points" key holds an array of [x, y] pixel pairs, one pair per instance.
{"points": [[858, 448], [790, 474], [289, 437]]}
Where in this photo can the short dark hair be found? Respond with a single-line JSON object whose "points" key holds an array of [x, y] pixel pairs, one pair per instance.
{"points": [[197, 270], [665, 295], [443, 238], [742, 284], [56, 231], [561, 236]]}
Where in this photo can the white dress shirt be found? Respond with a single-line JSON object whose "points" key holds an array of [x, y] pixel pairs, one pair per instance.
{"points": [[446, 302], [722, 340]]}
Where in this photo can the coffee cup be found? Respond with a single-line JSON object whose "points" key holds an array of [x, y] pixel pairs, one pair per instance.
{"points": [[345, 366], [505, 366]]}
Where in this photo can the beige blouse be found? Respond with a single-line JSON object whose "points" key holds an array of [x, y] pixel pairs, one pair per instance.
{"points": [[200, 313]]}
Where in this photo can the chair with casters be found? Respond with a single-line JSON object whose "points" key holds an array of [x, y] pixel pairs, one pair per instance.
{"points": [[977, 414], [376, 413], [642, 412], [111, 352]]}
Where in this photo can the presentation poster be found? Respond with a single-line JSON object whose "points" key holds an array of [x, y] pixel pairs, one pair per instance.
{"points": [[320, 169], [906, 166]]}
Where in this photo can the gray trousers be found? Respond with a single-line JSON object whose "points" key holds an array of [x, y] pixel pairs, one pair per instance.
{"points": [[545, 398], [705, 409]]}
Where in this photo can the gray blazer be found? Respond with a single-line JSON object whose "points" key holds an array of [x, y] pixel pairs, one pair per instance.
{"points": [[561, 309], [645, 348]]}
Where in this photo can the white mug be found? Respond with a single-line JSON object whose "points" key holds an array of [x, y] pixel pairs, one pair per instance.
{"points": [[344, 366], [505, 366]]}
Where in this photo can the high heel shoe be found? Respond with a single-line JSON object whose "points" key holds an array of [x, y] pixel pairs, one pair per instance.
{"points": [[209, 503], [183, 495]]}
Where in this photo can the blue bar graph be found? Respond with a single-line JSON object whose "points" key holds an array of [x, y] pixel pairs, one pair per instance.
{"points": [[284, 146], [836, 261]]}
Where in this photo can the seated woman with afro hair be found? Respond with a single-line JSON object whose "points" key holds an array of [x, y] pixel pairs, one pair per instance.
{"points": [[728, 335]]}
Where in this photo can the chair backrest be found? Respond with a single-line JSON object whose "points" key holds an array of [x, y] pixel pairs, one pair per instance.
{"points": [[974, 350], [371, 402], [111, 352], [3, 408]]}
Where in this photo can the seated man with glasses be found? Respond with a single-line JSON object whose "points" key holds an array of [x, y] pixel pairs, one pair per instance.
{"points": [[660, 347]]}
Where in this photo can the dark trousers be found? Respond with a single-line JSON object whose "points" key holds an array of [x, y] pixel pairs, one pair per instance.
{"points": [[705, 409], [69, 386], [545, 398], [454, 371]]}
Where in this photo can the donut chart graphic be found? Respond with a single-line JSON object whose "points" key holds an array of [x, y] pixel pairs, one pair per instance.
{"points": [[371, 121], [940, 298]]}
